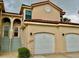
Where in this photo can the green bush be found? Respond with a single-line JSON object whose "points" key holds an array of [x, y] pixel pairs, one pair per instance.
{"points": [[23, 53]]}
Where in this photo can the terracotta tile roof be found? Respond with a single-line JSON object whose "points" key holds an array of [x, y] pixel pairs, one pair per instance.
{"points": [[69, 23], [46, 2], [41, 21], [43, 3], [48, 21]]}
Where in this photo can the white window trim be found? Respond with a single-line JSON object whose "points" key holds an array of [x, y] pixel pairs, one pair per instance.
{"points": [[24, 14]]}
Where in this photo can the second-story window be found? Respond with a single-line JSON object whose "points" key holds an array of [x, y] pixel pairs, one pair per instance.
{"points": [[28, 14]]}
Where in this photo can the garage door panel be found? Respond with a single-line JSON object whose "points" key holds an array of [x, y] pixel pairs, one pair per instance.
{"points": [[44, 43], [72, 42]]}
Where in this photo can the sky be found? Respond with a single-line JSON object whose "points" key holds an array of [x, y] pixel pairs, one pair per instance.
{"points": [[71, 7], [12, 5]]}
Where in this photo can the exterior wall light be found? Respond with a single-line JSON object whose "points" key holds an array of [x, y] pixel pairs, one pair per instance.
{"points": [[63, 34], [31, 33]]}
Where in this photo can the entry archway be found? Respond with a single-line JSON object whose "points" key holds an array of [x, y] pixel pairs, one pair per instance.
{"points": [[5, 34], [16, 41]]}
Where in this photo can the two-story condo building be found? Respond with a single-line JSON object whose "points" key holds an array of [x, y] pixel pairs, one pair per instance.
{"points": [[39, 28]]}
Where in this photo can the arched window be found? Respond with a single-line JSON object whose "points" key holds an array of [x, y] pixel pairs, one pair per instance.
{"points": [[16, 28], [5, 39], [72, 42], [44, 43], [6, 26], [16, 32], [16, 41]]}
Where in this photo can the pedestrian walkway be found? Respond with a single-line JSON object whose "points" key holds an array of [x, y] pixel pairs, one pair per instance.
{"points": [[8, 55]]}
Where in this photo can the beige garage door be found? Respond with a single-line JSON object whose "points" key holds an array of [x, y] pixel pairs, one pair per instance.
{"points": [[44, 43], [72, 42]]}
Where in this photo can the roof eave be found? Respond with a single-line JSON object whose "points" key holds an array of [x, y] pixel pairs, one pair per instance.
{"points": [[47, 2]]}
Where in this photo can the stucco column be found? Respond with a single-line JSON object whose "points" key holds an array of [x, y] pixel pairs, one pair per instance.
{"points": [[59, 41], [11, 34], [0, 25], [11, 30]]}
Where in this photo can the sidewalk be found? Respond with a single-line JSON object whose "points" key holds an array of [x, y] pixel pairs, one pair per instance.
{"points": [[8, 55]]}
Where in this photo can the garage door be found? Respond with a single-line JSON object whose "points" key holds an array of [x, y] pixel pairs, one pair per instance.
{"points": [[44, 43], [72, 42]]}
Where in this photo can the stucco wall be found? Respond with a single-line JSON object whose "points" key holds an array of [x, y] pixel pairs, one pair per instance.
{"points": [[0, 25], [57, 30], [40, 13]]}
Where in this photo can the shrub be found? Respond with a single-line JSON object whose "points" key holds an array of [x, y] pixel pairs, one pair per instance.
{"points": [[23, 53]]}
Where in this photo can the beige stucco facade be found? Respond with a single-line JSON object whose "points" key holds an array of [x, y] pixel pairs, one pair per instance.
{"points": [[46, 12], [40, 13], [58, 30]]}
